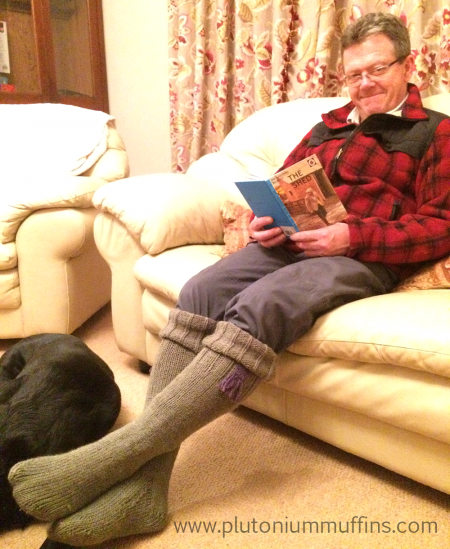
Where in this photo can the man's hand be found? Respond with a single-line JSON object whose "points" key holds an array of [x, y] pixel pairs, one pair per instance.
{"points": [[328, 241], [331, 240], [266, 237]]}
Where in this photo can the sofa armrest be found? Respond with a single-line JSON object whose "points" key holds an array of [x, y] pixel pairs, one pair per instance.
{"points": [[163, 211], [63, 278], [114, 163], [19, 201]]}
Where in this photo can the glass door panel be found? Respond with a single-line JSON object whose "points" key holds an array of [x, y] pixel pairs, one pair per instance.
{"points": [[72, 47], [19, 68]]}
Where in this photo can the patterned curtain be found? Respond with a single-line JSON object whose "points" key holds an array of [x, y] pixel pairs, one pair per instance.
{"points": [[229, 58]]}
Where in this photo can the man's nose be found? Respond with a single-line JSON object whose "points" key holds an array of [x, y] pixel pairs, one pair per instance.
{"points": [[366, 80]]}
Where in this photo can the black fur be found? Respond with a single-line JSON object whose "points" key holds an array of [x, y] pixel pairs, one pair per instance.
{"points": [[55, 395]]}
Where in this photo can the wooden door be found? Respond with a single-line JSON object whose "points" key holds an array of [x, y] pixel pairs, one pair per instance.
{"points": [[56, 53]]}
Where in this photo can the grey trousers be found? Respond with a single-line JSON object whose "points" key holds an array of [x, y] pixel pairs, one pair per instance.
{"points": [[276, 295]]}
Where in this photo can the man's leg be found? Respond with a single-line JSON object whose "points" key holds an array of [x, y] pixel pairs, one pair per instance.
{"points": [[276, 295], [226, 370], [209, 292], [139, 504], [342, 271], [144, 495], [283, 305]]}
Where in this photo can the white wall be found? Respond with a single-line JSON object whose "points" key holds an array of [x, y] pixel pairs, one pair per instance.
{"points": [[136, 37]]}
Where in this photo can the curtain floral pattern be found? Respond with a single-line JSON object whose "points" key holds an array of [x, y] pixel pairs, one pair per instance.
{"points": [[229, 58]]}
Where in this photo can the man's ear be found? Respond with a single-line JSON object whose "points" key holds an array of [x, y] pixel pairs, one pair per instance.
{"points": [[409, 65]]}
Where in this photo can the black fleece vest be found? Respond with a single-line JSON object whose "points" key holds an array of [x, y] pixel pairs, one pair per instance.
{"points": [[410, 136]]}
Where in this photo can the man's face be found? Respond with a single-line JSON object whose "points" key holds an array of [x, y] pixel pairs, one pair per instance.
{"points": [[377, 94]]}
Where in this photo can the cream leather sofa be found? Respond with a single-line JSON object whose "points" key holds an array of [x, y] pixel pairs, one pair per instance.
{"points": [[52, 277], [371, 377]]}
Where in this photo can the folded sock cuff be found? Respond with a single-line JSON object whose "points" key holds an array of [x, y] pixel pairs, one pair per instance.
{"points": [[187, 329], [243, 348]]}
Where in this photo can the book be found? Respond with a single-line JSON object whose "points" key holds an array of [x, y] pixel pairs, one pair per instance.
{"points": [[298, 198]]}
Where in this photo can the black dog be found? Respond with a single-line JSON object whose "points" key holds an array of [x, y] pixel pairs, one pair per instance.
{"points": [[55, 395]]}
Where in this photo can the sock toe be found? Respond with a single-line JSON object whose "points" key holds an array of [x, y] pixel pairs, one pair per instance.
{"points": [[135, 506]]}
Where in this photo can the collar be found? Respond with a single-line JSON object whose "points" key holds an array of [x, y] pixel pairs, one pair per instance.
{"points": [[411, 108], [354, 117]]}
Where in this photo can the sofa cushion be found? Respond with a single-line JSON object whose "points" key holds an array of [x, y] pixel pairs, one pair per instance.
{"points": [[114, 163], [20, 198], [261, 142], [407, 329], [236, 220], [409, 399], [166, 273], [163, 211], [52, 139], [439, 102], [8, 256]]}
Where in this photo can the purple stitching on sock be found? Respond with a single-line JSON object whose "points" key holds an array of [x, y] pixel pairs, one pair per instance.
{"points": [[233, 384]]}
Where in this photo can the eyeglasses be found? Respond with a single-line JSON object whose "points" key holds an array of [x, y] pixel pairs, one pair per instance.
{"points": [[372, 74]]}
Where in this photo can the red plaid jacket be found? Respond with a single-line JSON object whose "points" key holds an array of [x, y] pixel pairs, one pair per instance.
{"points": [[393, 176]]}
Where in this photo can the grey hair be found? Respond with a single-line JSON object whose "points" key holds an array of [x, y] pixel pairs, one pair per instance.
{"points": [[378, 23]]}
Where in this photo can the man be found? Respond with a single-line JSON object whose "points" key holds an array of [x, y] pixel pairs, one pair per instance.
{"points": [[315, 205], [389, 160]]}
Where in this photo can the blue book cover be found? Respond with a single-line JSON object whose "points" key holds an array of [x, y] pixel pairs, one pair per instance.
{"points": [[298, 198], [264, 200]]}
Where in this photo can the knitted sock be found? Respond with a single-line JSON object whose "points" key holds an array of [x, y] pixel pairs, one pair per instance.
{"points": [[226, 370], [138, 505]]}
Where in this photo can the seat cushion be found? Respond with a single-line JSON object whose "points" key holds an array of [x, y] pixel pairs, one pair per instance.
{"points": [[408, 329], [165, 274]]}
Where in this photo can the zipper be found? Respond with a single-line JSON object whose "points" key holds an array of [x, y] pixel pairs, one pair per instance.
{"points": [[335, 161], [340, 151], [395, 210]]}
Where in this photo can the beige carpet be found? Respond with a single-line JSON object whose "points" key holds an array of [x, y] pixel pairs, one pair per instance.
{"points": [[247, 475]]}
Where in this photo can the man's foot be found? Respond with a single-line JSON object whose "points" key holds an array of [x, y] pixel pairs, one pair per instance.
{"points": [[137, 505]]}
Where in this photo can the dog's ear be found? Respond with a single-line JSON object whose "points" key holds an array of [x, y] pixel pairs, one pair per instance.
{"points": [[12, 362]]}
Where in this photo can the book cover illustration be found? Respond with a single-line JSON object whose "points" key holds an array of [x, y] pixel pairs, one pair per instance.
{"points": [[298, 198]]}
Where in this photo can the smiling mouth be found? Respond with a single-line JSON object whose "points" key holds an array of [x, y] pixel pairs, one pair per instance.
{"points": [[371, 96]]}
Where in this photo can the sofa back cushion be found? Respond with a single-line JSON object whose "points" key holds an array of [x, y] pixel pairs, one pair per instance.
{"points": [[440, 102], [47, 139], [262, 142]]}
